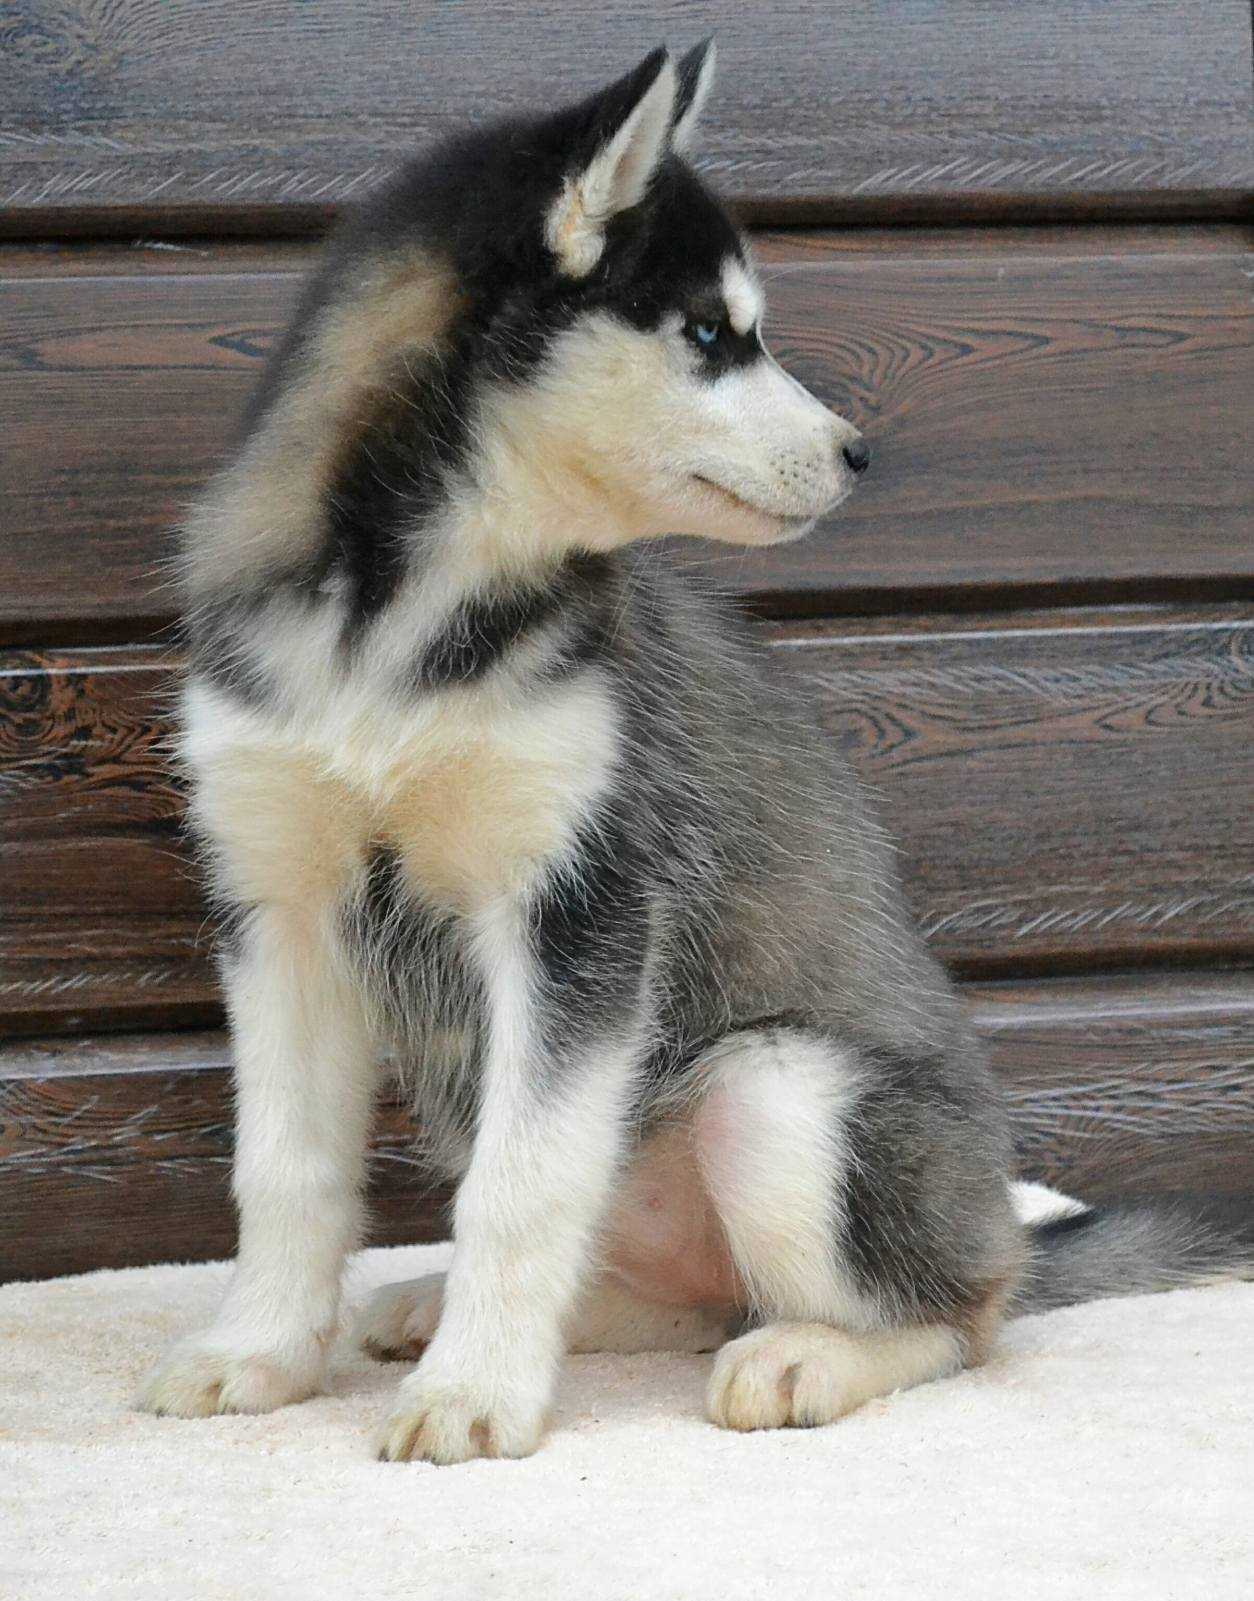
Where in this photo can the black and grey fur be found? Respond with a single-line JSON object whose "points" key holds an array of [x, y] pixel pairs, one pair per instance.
{"points": [[492, 787]]}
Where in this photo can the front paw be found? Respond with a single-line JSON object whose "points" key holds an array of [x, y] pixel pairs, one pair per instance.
{"points": [[199, 1378], [442, 1419]]}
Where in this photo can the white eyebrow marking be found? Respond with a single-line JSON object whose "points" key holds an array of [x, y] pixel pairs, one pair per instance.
{"points": [[742, 294]]}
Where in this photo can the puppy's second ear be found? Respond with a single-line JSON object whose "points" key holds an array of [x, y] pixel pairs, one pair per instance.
{"points": [[695, 78], [627, 136]]}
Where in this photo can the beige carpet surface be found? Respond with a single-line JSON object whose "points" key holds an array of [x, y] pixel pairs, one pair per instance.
{"points": [[1106, 1451]]}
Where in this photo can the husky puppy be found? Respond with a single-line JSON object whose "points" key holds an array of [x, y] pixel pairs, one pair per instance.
{"points": [[490, 786]]}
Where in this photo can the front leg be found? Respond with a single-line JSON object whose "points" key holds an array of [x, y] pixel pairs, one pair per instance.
{"points": [[563, 977], [304, 1082]]}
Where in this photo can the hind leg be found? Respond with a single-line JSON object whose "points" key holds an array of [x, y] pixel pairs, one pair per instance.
{"points": [[834, 1180], [399, 1321]]}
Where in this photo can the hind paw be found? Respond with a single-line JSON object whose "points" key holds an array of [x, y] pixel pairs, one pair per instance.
{"points": [[398, 1322], [800, 1375], [787, 1375]]}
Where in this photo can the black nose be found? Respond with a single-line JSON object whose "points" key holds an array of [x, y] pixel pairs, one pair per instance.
{"points": [[858, 455]]}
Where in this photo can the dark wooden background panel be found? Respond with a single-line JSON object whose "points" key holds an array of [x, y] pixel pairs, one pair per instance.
{"points": [[120, 1153], [1070, 790], [116, 1151], [100, 911], [267, 115], [1040, 415], [1050, 408], [1128, 1086], [120, 394]]}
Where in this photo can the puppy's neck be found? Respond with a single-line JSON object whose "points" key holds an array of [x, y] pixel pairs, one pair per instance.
{"points": [[519, 518]]}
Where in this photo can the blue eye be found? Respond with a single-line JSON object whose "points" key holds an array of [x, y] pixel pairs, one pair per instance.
{"points": [[705, 333]]}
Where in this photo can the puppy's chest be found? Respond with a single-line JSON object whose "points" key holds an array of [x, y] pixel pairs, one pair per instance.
{"points": [[482, 796]]}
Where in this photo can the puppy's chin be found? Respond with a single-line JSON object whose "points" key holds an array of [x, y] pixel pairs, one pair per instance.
{"points": [[735, 521]]}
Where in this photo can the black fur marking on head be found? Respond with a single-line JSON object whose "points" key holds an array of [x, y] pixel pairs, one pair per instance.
{"points": [[478, 203], [728, 349], [666, 256]]}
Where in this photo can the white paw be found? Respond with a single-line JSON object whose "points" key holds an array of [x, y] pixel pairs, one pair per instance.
{"points": [[787, 1375], [441, 1419], [200, 1379], [398, 1322]]}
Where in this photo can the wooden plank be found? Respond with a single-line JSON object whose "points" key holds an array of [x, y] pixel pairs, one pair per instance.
{"points": [[1068, 789], [1071, 791], [115, 1152], [119, 395], [124, 114], [101, 909], [1042, 419], [1055, 413], [1128, 1086]]}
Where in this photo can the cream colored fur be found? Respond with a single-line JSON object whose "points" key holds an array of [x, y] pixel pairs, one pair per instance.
{"points": [[267, 505], [742, 295], [766, 1134], [399, 1321], [802, 1375], [304, 1085], [293, 810], [770, 1135], [292, 813], [623, 419]]}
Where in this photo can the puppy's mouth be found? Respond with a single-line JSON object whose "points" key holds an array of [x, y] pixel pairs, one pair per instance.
{"points": [[790, 526]]}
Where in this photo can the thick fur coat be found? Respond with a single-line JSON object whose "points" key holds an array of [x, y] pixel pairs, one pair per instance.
{"points": [[493, 790]]}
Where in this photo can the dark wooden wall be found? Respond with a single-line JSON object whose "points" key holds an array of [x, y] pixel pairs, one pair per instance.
{"points": [[1012, 242], [194, 114]]}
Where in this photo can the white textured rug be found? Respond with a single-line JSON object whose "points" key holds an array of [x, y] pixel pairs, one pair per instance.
{"points": [[1107, 1451]]}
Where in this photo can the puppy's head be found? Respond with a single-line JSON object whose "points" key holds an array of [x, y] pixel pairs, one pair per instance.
{"points": [[553, 320], [641, 376]]}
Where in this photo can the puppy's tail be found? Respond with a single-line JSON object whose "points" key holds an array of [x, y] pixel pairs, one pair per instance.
{"points": [[1133, 1248]]}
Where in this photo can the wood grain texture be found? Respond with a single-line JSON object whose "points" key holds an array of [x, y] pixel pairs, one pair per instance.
{"points": [[1066, 790], [101, 910], [1071, 791], [119, 111], [1053, 412], [1128, 1086], [116, 1152]]}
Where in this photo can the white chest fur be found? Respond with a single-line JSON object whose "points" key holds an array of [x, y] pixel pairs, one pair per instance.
{"points": [[473, 790]]}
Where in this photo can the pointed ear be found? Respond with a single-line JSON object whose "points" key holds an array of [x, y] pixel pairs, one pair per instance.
{"points": [[627, 138], [696, 79]]}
